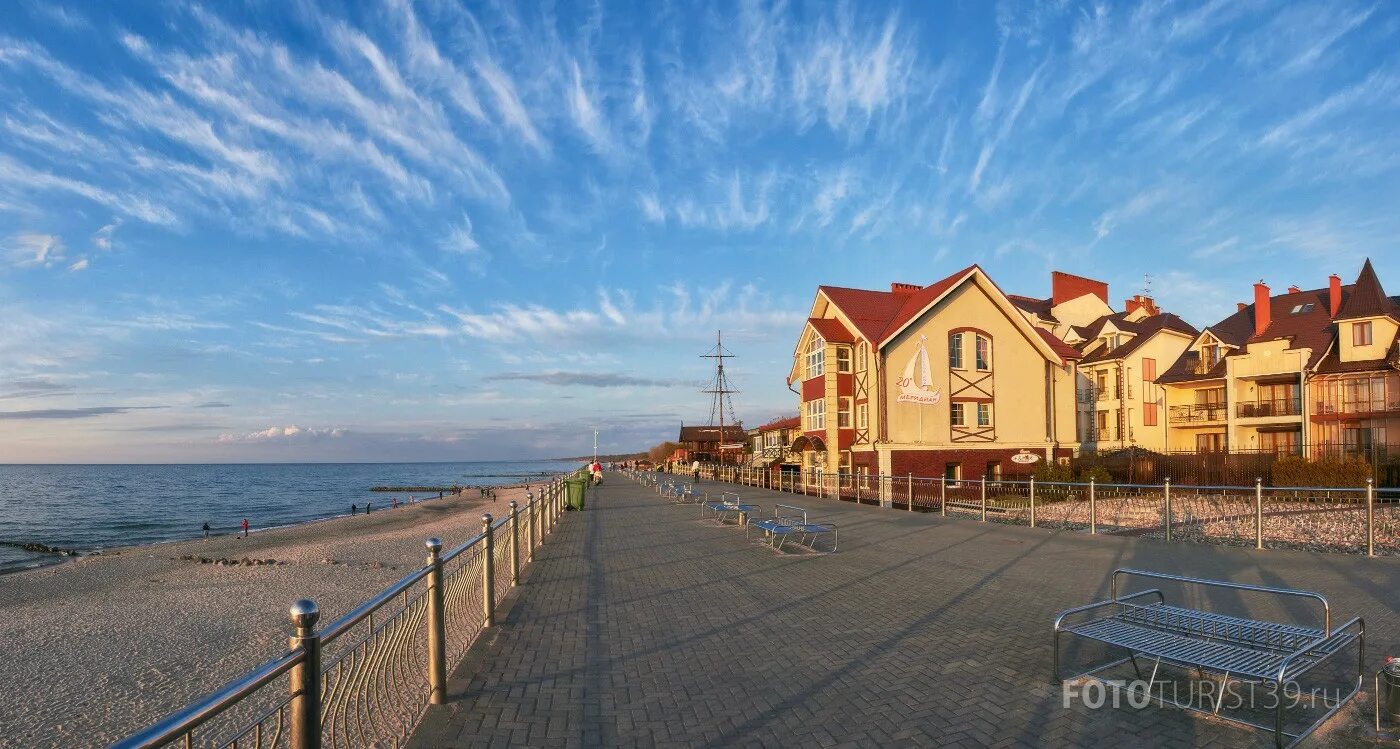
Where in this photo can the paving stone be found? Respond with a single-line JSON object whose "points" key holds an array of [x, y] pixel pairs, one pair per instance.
{"points": [[640, 625]]}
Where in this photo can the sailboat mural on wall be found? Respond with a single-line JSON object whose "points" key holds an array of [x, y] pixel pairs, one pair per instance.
{"points": [[916, 383]]}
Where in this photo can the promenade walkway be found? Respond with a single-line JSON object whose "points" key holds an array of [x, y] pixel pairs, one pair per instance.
{"points": [[641, 626]]}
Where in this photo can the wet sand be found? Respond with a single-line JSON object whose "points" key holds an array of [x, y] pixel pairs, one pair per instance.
{"points": [[104, 645]]}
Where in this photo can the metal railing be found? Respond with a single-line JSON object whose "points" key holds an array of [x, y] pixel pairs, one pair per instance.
{"points": [[1197, 413], [1269, 407], [1359, 520], [367, 678]]}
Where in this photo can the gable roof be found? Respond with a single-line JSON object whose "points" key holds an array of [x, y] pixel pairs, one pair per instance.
{"points": [[831, 329], [869, 311], [791, 422], [711, 433], [919, 300], [1367, 298], [1143, 331], [1065, 350]]}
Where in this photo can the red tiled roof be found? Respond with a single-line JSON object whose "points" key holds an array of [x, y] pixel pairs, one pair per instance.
{"points": [[868, 310], [920, 299], [831, 329], [791, 422], [1065, 350], [1367, 298]]}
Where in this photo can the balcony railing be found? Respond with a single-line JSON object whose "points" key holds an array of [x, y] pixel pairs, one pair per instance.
{"points": [[1269, 408], [1199, 413], [1375, 405], [1092, 394]]}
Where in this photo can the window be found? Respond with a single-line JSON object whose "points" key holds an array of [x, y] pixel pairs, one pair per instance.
{"points": [[843, 359], [984, 414], [816, 415], [860, 357], [863, 416], [993, 472], [816, 357], [1213, 442], [1279, 443], [984, 354], [1302, 309], [1210, 356], [952, 472], [1149, 370], [955, 352], [1128, 383], [843, 413], [1101, 428], [1361, 334], [1149, 414], [956, 415]]}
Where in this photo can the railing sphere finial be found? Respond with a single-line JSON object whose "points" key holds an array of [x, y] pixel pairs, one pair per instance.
{"points": [[305, 613], [434, 544]]}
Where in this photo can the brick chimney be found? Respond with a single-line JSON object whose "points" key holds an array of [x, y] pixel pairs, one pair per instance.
{"points": [[1241, 306], [1145, 303], [904, 289], [1261, 308], [1294, 290], [1334, 293]]}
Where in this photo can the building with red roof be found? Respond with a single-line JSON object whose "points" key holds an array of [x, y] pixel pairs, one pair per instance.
{"points": [[1313, 371]]}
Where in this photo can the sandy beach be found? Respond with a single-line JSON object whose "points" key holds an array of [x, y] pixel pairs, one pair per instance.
{"points": [[104, 645]]}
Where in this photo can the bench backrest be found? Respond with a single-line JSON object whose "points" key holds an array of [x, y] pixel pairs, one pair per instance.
{"points": [[789, 514], [1116, 588]]}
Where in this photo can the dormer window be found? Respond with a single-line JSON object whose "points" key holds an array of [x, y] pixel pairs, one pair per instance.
{"points": [[1210, 356], [1361, 334]]}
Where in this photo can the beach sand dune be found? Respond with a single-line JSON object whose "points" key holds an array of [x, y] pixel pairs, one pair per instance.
{"points": [[105, 645]]}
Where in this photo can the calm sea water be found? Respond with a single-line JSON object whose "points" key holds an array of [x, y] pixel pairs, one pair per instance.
{"points": [[90, 507]]}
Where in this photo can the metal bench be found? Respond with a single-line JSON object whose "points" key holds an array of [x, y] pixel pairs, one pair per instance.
{"points": [[791, 523], [728, 507], [1268, 653]]}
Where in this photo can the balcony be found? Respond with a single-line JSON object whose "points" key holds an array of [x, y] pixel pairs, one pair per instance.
{"points": [[1093, 394], [1271, 408], [1198, 414], [1355, 408], [1260, 364]]}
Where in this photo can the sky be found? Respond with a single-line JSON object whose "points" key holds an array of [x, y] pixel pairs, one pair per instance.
{"points": [[442, 230]]}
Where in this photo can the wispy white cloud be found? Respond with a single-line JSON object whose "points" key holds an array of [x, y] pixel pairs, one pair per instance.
{"points": [[585, 113], [29, 249]]}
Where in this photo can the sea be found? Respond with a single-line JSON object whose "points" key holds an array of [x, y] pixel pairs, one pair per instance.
{"points": [[86, 508]]}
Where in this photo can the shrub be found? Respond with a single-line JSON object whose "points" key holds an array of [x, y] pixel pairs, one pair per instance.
{"points": [[1052, 472], [1097, 474], [1295, 470]]}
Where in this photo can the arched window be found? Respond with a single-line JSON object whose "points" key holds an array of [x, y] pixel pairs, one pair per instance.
{"points": [[984, 354]]}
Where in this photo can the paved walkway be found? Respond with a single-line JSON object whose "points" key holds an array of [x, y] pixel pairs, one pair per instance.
{"points": [[641, 626]]}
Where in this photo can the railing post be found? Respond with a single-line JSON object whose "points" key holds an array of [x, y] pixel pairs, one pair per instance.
{"points": [[1370, 517], [514, 545], [1032, 501], [911, 492], [855, 479], [534, 524], [984, 499], [437, 627], [1258, 513], [305, 677], [1093, 509], [943, 495], [488, 573], [821, 483], [1167, 508]]}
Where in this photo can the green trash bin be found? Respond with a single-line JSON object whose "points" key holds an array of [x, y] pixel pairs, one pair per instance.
{"points": [[574, 490]]}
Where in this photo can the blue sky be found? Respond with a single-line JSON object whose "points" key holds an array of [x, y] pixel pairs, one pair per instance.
{"points": [[442, 230]]}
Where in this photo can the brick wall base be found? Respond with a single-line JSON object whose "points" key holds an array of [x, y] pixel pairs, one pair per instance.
{"points": [[932, 463]]}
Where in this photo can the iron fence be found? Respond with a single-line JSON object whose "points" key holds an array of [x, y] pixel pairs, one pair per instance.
{"points": [[367, 678], [1362, 520]]}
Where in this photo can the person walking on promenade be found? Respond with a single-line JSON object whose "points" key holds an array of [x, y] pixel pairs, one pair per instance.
{"points": [[597, 470], [245, 527], [695, 470], [206, 530]]}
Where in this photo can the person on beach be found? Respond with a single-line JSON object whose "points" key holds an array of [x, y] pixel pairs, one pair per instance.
{"points": [[393, 503], [354, 509], [206, 530], [245, 527], [368, 506]]}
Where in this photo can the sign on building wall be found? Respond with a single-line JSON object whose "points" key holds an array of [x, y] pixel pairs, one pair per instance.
{"points": [[916, 382], [1025, 457]]}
